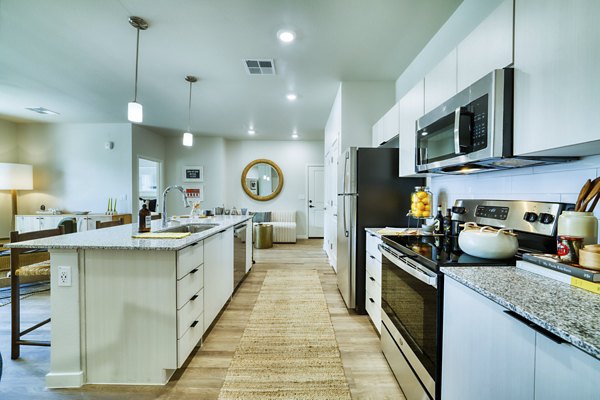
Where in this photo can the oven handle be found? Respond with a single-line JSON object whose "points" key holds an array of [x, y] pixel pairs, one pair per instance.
{"points": [[429, 278]]}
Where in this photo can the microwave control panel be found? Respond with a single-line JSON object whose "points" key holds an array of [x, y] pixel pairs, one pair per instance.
{"points": [[479, 108]]}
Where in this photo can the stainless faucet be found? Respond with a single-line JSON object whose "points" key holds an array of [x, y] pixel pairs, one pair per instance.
{"points": [[186, 203]]}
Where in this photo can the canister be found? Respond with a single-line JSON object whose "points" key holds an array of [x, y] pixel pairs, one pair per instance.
{"points": [[421, 201], [579, 223]]}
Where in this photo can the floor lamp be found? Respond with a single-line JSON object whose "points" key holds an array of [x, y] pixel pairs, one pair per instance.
{"points": [[15, 177]]}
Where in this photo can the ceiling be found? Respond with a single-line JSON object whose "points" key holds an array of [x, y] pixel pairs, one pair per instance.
{"points": [[78, 58]]}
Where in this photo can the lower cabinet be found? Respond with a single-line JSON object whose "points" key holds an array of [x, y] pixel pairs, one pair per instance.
{"points": [[30, 223], [373, 280], [218, 274], [488, 352]]}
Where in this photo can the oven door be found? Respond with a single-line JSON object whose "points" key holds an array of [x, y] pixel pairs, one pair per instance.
{"points": [[410, 314]]}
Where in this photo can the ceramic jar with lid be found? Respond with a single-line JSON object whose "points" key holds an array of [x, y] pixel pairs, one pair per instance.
{"points": [[578, 223]]}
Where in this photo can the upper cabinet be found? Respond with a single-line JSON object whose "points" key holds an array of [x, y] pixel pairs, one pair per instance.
{"points": [[333, 128], [557, 53], [487, 47], [386, 128], [440, 82], [411, 108]]}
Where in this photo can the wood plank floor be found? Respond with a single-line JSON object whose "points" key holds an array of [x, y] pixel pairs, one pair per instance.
{"points": [[367, 372]]}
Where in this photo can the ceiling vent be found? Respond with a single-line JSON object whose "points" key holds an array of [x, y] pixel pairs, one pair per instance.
{"points": [[260, 67]]}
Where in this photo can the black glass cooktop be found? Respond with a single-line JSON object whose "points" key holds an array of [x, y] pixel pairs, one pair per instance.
{"points": [[439, 251]]}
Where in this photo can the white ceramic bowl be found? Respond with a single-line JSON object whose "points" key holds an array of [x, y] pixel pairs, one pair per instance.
{"points": [[488, 243]]}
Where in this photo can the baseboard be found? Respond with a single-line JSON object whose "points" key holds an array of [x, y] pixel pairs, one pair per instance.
{"points": [[301, 236], [64, 380]]}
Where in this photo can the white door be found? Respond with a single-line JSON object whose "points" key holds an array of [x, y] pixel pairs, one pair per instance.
{"points": [[316, 200]]}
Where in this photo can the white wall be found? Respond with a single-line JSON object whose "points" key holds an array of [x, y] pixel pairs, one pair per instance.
{"points": [[560, 182], [149, 145], [292, 157], [72, 170], [9, 154], [208, 152]]}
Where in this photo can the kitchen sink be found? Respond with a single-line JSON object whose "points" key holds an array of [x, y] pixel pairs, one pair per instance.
{"points": [[192, 228]]}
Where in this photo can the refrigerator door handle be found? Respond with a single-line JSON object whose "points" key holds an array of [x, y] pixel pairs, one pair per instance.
{"points": [[346, 233]]}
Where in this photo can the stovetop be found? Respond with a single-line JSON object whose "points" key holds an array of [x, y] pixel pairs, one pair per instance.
{"points": [[440, 251]]}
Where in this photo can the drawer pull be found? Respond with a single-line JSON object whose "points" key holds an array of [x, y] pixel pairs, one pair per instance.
{"points": [[535, 327], [372, 235], [193, 244], [194, 271], [194, 297], [371, 256], [194, 324], [371, 278], [371, 300]]}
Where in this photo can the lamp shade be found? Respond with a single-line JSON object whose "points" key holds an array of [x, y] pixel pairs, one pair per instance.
{"points": [[188, 139], [135, 112], [16, 176]]}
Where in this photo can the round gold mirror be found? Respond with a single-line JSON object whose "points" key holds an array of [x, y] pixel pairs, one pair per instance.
{"points": [[262, 180]]}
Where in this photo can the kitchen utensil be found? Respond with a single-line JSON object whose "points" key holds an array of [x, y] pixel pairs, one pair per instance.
{"points": [[594, 190], [582, 194], [488, 242], [593, 205]]}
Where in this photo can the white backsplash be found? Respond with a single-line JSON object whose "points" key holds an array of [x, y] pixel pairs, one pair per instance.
{"points": [[560, 182]]}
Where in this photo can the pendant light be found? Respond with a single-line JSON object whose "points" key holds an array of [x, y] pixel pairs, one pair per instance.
{"points": [[135, 112], [188, 138]]}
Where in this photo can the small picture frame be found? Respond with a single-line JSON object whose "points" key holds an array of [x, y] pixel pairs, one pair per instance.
{"points": [[195, 193], [192, 173]]}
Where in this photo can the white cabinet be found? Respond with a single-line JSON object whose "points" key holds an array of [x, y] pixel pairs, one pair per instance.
{"points": [[564, 372], [486, 354], [88, 223], [387, 127], [248, 246], [411, 108], [30, 223], [440, 82], [557, 54], [377, 133], [487, 47], [373, 280], [218, 274], [491, 353], [330, 223]]}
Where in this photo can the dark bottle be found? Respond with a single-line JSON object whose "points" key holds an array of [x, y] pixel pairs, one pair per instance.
{"points": [[144, 219], [447, 225], [439, 221]]}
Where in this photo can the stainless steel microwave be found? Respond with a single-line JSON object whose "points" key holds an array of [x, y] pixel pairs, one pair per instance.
{"points": [[473, 130]]}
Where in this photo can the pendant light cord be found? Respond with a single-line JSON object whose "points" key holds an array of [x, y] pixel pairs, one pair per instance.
{"points": [[190, 110], [137, 52]]}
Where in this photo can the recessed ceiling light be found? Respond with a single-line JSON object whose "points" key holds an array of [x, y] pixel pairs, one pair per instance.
{"points": [[295, 136], [251, 131], [42, 110], [286, 36], [291, 96]]}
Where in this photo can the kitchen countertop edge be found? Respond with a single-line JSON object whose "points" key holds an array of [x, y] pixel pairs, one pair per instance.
{"points": [[566, 321], [120, 237]]}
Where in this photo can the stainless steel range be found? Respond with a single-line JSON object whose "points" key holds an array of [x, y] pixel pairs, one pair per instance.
{"points": [[412, 286]]}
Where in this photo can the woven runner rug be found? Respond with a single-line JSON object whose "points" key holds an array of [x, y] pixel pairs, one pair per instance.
{"points": [[288, 349]]}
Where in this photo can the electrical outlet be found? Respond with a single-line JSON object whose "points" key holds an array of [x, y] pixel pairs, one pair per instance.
{"points": [[64, 276]]}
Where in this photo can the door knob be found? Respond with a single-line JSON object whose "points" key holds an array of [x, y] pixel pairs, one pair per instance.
{"points": [[311, 206]]}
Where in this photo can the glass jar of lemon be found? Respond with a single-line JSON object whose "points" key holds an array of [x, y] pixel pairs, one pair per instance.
{"points": [[420, 202]]}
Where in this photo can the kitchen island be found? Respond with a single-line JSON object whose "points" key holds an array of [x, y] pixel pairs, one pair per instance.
{"points": [[130, 311]]}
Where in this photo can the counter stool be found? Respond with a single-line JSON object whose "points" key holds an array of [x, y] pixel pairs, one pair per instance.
{"points": [[264, 236], [18, 269]]}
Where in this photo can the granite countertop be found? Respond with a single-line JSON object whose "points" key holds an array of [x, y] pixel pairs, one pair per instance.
{"points": [[571, 313], [120, 237]]}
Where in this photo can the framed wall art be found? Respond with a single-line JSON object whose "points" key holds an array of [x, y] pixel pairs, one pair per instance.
{"points": [[192, 173]]}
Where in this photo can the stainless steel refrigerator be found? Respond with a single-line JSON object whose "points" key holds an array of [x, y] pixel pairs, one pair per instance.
{"points": [[370, 194]]}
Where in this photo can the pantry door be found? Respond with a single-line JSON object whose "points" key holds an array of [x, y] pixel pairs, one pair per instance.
{"points": [[316, 201]]}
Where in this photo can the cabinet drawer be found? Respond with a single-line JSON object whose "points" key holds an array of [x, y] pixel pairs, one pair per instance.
{"points": [[373, 288], [189, 285], [374, 311], [189, 313], [372, 242], [190, 339], [189, 258], [374, 267]]}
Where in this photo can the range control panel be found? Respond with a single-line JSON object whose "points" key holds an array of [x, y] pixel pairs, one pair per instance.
{"points": [[526, 216], [500, 213]]}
